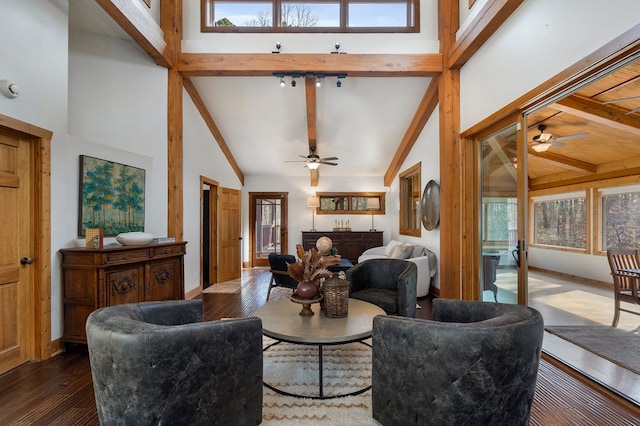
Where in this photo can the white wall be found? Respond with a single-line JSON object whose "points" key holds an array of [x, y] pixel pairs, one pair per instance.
{"points": [[34, 56], [299, 215], [542, 38], [202, 157], [427, 151]]}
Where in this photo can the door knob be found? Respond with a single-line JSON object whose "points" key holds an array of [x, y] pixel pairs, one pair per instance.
{"points": [[26, 261]]}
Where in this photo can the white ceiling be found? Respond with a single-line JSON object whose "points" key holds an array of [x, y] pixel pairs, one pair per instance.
{"points": [[362, 123]]}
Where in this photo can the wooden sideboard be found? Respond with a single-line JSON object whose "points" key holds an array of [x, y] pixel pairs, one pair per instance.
{"points": [[115, 274], [350, 244]]}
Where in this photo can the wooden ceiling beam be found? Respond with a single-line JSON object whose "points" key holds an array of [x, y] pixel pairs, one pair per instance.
{"points": [[213, 128], [425, 109], [565, 162], [310, 92], [484, 25], [141, 27], [265, 64], [608, 115]]}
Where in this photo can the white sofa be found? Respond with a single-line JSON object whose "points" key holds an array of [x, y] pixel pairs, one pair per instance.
{"points": [[424, 259]]}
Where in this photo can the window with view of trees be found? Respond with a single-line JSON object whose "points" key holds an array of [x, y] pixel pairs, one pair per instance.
{"points": [[310, 15], [561, 222], [499, 217], [621, 220]]}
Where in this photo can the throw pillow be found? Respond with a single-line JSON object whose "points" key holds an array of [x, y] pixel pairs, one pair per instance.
{"points": [[402, 252], [388, 251]]}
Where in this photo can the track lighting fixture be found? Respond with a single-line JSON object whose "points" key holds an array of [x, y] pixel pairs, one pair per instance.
{"points": [[318, 76], [278, 46], [337, 51]]}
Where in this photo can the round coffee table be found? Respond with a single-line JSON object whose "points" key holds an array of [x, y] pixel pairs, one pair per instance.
{"points": [[280, 321]]}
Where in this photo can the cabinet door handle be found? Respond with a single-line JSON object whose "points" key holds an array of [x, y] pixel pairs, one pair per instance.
{"points": [[26, 261]]}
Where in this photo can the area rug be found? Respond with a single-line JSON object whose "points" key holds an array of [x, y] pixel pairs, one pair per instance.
{"points": [[295, 369], [618, 346]]}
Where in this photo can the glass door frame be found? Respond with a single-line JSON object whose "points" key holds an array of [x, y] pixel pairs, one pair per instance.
{"points": [[516, 119], [254, 197]]}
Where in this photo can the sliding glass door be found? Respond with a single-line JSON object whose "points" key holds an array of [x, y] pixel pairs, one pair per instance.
{"points": [[501, 248]]}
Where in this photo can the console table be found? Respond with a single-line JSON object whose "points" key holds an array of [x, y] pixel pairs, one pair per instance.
{"points": [[350, 244], [115, 274]]}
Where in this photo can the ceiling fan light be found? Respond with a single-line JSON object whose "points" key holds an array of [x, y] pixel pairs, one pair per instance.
{"points": [[313, 166], [541, 147]]}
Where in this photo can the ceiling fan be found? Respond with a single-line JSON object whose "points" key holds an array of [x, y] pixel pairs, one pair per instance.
{"points": [[313, 160], [544, 141]]}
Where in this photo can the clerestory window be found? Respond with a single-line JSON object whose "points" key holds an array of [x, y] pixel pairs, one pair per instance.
{"points": [[310, 15]]}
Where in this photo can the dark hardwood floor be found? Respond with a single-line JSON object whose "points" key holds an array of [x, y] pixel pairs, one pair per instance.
{"points": [[59, 391]]}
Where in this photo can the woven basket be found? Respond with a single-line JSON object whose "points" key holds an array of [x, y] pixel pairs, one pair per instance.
{"points": [[336, 297]]}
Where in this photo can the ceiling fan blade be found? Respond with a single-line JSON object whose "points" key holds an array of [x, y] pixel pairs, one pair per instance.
{"points": [[564, 138], [295, 161], [303, 156], [330, 164], [554, 143], [632, 111], [329, 159], [615, 101]]}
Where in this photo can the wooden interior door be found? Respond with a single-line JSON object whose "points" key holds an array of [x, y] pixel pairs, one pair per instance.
{"points": [[16, 268], [229, 234]]}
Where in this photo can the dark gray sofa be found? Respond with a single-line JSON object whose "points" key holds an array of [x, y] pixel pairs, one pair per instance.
{"points": [[157, 363], [476, 363]]}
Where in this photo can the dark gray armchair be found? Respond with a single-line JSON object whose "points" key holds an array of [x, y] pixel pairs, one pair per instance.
{"points": [[387, 283], [158, 363], [476, 363], [279, 275]]}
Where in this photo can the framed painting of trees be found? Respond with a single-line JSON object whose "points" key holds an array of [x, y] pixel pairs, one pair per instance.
{"points": [[111, 197]]}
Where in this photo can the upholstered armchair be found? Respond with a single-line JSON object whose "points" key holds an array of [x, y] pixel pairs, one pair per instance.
{"points": [[387, 283], [476, 363], [158, 363], [279, 275]]}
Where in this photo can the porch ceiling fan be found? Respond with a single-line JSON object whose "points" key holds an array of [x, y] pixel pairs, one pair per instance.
{"points": [[313, 161], [544, 141]]}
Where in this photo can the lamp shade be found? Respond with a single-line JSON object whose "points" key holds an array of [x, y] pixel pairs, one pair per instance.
{"points": [[373, 203], [313, 202]]}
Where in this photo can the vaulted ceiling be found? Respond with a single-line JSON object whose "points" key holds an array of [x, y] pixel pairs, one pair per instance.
{"points": [[374, 116]]}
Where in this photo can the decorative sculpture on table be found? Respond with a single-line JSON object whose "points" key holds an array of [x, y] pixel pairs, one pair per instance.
{"points": [[310, 267]]}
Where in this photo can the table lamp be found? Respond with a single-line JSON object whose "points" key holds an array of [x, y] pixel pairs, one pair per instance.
{"points": [[373, 203], [313, 202]]}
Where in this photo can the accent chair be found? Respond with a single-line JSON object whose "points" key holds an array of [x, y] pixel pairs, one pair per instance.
{"points": [[279, 275], [387, 283], [475, 363], [158, 363]]}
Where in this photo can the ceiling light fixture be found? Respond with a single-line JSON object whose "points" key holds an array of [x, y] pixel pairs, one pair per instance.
{"points": [[541, 147], [278, 46], [319, 77], [313, 166]]}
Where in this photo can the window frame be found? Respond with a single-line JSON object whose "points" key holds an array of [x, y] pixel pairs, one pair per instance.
{"points": [[413, 19], [349, 196], [565, 194], [599, 221], [407, 203]]}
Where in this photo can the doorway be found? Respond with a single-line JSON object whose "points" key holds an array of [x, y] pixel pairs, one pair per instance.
{"points": [[498, 218], [268, 219], [25, 260], [208, 231]]}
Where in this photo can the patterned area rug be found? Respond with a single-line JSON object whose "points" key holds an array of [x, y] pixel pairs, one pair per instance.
{"points": [[295, 369], [618, 346]]}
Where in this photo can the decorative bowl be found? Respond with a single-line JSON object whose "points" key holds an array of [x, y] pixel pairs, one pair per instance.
{"points": [[134, 238]]}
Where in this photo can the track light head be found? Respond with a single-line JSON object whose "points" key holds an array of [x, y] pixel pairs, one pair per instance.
{"points": [[282, 82], [293, 82]]}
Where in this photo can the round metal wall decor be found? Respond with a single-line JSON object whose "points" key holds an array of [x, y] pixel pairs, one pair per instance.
{"points": [[430, 205]]}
